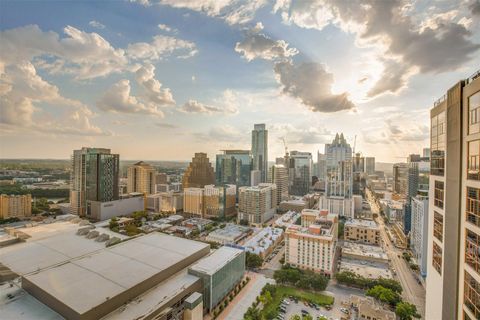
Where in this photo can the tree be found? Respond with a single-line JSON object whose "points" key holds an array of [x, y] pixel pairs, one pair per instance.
{"points": [[307, 317], [295, 317], [253, 260], [384, 295], [318, 282], [406, 311], [266, 298]]}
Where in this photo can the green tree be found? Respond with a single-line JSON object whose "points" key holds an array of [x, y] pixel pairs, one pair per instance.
{"points": [[266, 298], [295, 317], [406, 311], [318, 282], [385, 295], [307, 317], [253, 260]]}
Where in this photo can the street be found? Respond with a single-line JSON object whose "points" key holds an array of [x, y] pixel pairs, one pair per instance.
{"points": [[412, 291]]}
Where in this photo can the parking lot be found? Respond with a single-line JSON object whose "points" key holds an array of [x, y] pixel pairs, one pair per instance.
{"points": [[292, 308]]}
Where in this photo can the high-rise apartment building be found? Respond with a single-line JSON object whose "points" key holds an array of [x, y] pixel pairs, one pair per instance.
{"points": [[219, 201], [278, 175], [193, 201], [321, 166], [453, 266], [400, 178], [141, 177], [15, 206], [370, 165], [199, 173], [94, 177], [313, 247], [358, 174], [300, 172], [419, 231], [233, 167], [257, 204], [260, 150]]}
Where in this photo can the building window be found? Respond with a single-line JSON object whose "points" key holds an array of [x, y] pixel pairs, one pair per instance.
{"points": [[473, 160], [471, 295], [473, 205], [472, 250], [438, 196], [437, 257], [437, 145], [474, 113], [438, 226]]}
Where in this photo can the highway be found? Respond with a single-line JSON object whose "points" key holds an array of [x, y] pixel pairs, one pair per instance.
{"points": [[413, 292]]}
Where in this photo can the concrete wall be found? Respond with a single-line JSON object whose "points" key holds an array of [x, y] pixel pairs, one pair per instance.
{"points": [[106, 210]]}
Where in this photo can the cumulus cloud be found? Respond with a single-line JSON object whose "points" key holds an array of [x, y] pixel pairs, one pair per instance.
{"points": [[166, 125], [96, 24], [301, 135], [223, 133], [311, 83], [397, 128], [226, 104], [193, 106], [438, 46], [166, 28], [23, 89], [118, 99], [475, 8], [258, 45], [231, 11], [153, 92], [161, 46]]}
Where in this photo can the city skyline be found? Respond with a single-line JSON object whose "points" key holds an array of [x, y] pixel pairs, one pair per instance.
{"points": [[196, 76]]}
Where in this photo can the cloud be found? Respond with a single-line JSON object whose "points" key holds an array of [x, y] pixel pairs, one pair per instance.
{"points": [[166, 28], [166, 125], [231, 11], [311, 83], [258, 45], [475, 8], [161, 46], [96, 24], [438, 46], [153, 92], [302, 135], [223, 133], [193, 106], [396, 129], [118, 99], [23, 89], [226, 104]]}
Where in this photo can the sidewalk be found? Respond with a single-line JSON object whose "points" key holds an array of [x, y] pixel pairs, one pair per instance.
{"points": [[239, 305]]}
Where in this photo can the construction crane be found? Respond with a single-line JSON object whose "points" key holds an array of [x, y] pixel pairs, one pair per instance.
{"points": [[354, 144], [285, 145]]}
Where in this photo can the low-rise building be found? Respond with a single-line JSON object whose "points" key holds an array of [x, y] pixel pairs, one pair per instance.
{"points": [[363, 231], [165, 202], [313, 247], [124, 206], [220, 272], [257, 204], [287, 219], [369, 309], [231, 234], [263, 242], [296, 205], [197, 223], [15, 206]]}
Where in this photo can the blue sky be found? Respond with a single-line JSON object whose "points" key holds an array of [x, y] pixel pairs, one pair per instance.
{"points": [[164, 79]]}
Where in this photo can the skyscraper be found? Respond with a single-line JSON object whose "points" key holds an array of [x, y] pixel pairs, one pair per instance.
{"points": [[199, 173], [278, 175], [453, 266], [339, 167], [141, 177], [260, 150], [321, 166], [257, 204], [400, 178], [300, 173], [233, 167], [419, 231], [370, 165], [94, 177]]}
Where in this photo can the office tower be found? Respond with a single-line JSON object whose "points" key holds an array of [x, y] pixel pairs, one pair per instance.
{"points": [[321, 166], [419, 231], [337, 151], [370, 165], [313, 247], [280, 160], [426, 153], [339, 167], [219, 202], [300, 173], [15, 206], [255, 177], [400, 178], [233, 167], [199, 173], [141, 177], [260, 150], [453, 266], [94, 177], [257, 204], [161, 178], [193, 201], [358, 174], [358, 163], [278, 175]]}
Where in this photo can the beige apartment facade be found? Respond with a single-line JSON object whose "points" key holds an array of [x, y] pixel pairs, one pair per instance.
{"points": [[314, 247], [15, 206], [453, 265], [193, 201], [141, 177], [257, 204], [362, 231]]}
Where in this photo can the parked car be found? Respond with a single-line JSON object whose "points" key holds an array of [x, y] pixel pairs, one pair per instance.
{"points": [[344, 310]]}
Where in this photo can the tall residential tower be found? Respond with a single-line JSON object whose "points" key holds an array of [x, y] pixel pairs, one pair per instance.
{"points": [[260, 150]]}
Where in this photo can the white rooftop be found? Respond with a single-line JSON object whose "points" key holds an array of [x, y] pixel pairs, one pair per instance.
{"points": [[361, 223], [216, 260]]}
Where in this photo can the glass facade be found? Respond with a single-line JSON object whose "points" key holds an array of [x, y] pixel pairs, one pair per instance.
{"points": [[438, 194], [437, 146], [472, 250], [438, 226], [473, 206], [437, 257], [473, 166], [471, 295], [474, 113], [233, 167]]}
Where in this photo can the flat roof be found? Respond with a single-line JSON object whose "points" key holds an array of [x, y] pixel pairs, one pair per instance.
{"points": [[214, 262], [367, 269], [361, 223], [88, 281], [364, 250]]}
